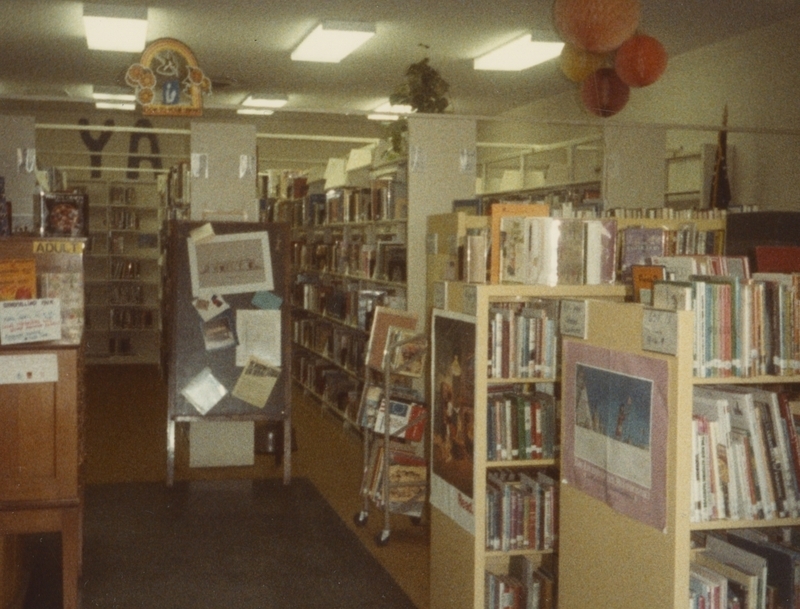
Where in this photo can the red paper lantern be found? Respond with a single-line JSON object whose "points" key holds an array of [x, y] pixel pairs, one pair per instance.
{"points": [[577, 64], [640, 61], [604, 94], [598, 26]]}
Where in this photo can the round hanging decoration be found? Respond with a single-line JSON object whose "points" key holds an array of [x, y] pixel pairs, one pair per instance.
{"points": [[604, 94], [598, 26], [577, 64], [640, 61]]}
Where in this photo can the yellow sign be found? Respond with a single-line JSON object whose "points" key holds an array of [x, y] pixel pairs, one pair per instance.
{"points": [[168, 81], [54, 246]]}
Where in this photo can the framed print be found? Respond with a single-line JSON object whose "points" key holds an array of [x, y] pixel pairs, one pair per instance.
{"points": [[383, 319], [230, 264]]}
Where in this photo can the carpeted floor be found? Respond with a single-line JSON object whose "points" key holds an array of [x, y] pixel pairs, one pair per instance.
{"points": [[216, 544]]}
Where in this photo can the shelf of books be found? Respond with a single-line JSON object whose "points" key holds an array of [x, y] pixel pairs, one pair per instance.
{"points": [[495, 456], [349, 257], [680, 459], [123, 271]]}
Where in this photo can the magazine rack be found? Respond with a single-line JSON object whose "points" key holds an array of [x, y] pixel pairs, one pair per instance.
{"points": [[382, 442]]}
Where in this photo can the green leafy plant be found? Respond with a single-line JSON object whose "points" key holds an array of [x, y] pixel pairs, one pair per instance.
{"points": [[424, 90]]}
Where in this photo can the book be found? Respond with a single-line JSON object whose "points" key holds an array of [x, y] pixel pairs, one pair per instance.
{"points": [[406, 419], [639, 245], [497, 212], [743, 585], [600, 251], [18, 279], [744, 560], [405, 352], [382, 320], [643, 276]]}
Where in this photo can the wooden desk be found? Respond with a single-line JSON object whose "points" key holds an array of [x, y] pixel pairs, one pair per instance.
{"points": [[40, 456]]}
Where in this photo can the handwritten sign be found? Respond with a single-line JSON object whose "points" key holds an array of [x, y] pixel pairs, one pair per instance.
{"points": [[29, 321], [660, 331], [573, 318]]}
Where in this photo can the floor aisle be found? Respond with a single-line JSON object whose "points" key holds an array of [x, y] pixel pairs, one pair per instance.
{"points": [[125, 439]]}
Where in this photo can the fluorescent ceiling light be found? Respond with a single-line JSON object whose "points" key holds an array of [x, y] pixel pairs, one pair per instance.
{"points": [[332, 41], [115, 27], [518, 55], [265, 101], [255, 111], [107, 105], [389, 112], [112, 94]]}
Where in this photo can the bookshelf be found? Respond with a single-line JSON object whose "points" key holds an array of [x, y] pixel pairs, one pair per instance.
{"points": [[459, 554], [349, 256], [628, 561], [124, 271]]}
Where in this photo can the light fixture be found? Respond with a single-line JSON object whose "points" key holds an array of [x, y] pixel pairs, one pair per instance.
{"points": [[519, 54], [389, 112], [109, 105], [112, 94], [265, 101], [115, 27], [332, 41], [255, 111]]}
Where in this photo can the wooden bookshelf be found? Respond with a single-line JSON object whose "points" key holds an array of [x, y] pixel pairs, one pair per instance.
{"points": [[124, 260], [459, 554], [349, 255], [608, 557]]}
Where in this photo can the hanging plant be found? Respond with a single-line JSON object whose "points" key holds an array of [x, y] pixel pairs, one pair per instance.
{"points": [[424, 90]]}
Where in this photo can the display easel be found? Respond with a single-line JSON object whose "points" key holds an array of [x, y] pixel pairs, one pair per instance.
{"points": [[188, 353], [386, 435]]}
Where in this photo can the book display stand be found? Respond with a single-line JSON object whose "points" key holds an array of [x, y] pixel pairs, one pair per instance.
{"points": [[229, 327], [393, 419]]}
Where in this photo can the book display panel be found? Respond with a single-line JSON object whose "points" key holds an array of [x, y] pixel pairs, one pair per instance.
{"points": [[494, 447], [349, 257], [124, 262], [712, 519]]}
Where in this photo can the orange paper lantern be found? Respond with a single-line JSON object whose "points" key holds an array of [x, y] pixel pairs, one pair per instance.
{"points": [[597, 26], [604, 94], [640, 61], [577, 64]]}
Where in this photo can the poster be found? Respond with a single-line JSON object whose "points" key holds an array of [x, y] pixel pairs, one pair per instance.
{"points": [[453, 411], [230, 264], [615, 429]]}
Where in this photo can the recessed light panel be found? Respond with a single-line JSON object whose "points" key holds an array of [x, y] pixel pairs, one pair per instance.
{"points": [[115, 27], [519, 54], [332, 41]]}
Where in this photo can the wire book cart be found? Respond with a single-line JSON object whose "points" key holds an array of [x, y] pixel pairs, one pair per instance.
{"points": [[393, 418]]}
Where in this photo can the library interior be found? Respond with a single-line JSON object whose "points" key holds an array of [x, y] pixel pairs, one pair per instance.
{"points": [[495, 307]]}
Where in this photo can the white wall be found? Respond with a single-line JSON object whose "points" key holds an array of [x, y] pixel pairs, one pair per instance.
{"points": [[757, 75]]}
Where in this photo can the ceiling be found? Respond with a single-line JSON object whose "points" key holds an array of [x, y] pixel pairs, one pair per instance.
{"points": [[244, 47]]}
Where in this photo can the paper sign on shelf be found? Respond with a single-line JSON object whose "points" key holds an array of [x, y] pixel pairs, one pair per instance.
{"points": [[202, 232], [28, 368], [199, 165], [28, 321]]}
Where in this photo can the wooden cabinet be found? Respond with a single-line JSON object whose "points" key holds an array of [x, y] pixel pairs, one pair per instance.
{"points": [[40, 450]]}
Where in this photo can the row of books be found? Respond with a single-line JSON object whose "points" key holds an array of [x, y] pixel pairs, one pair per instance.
{"points": [[523, 339], [346, 302], [639, 245], [539, 250], [328, 382], [382, 260], [527, 585], [521, 510], [407, 478], [743, 328], [520, 425], [746, 454], [746, 569], [339, 344]]}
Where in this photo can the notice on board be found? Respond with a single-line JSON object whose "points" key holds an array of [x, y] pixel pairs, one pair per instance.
{"points": [[29, 321]]}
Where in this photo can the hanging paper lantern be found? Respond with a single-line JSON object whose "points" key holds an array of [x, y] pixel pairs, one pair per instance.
{"points": [[604, 94], [598, 26], [577, 64], [640, 61]]}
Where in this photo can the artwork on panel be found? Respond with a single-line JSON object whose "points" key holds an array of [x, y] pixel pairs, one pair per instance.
{"points": [[453, 394], [167, 80], [230, 264], [615, 429]]}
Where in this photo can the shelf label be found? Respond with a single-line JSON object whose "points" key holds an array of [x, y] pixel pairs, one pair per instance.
{"points": [[572, 321], [660, 331], [440, 295], [470, 299], [28, 368]]}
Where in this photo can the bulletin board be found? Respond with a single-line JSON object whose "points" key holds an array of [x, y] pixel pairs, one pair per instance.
{"points": [[227, 297]]}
